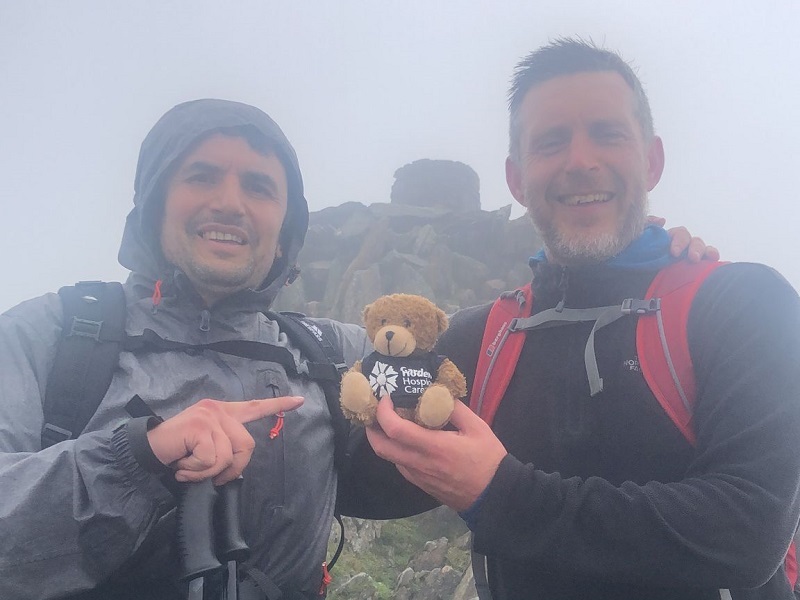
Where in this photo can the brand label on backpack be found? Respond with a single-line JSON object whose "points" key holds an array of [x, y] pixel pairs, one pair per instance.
{"points": [[490, 349], [632, 364], [315, 331]]}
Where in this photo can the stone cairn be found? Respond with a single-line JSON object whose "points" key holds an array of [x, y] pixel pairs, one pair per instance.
{"points": [[432, 239]]}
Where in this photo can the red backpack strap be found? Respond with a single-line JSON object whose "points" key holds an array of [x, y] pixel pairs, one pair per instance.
{"points": [[662, 341], [500, 350], [790, 565]]}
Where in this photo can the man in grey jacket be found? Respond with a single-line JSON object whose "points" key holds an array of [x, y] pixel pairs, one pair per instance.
{"points": [[218, 220]]}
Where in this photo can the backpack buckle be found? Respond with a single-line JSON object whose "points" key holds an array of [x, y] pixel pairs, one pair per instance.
{"points": [[53, 434], [341, 368], [85, 328], [631, 306]]}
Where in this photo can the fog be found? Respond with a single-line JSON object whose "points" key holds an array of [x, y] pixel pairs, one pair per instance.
{"points": [[364, 87]]}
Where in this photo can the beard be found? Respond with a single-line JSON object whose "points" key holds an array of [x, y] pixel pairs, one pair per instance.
{"points": [[583, 247], [224, 278], [219, 276]]}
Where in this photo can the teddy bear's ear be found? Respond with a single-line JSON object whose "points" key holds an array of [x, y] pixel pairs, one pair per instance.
{"points": [[441, 320], [364, 313]]}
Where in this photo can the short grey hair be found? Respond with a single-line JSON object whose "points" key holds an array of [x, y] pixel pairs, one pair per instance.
{"points": [[566, 56]]}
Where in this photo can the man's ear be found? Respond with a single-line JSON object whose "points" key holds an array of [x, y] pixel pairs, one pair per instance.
{"points": [[655, 159], [514, 180]]}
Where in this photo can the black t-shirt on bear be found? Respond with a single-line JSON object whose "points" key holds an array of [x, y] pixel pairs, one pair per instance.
{"points": [[403, 378]]}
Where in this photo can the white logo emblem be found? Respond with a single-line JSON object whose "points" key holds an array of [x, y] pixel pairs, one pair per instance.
{"points": [[383, 379], [632, 364]]}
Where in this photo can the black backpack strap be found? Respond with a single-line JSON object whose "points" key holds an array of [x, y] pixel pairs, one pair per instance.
{"points": [[315, 341], [86, 357], [150, 341], [325, 365], [480, 572]]}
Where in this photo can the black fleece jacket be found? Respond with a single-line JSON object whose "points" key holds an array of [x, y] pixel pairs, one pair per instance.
{"points": [[602, 497]]}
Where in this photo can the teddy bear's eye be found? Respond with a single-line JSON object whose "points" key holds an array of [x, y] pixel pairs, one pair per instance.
{"points": [[383, 321], [406, 323]]}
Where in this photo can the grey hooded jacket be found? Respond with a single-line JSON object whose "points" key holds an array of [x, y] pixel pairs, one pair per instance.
{"points": [[83, 513]]}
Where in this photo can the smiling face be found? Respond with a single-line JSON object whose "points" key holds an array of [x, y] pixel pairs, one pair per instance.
{"points": [[584, 167], [223, 213]]}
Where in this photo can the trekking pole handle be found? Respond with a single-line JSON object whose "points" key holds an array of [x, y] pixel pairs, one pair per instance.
{"points": [[230, 540], [196, 530]]}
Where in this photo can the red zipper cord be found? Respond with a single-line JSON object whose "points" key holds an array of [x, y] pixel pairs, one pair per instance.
{"points": [[326, 579], [275, 431], [157, 293]]}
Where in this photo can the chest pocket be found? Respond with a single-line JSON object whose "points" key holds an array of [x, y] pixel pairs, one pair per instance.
{"points": [[264, 486]]}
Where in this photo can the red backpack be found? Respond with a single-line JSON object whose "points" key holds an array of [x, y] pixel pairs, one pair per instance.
{"points": [[661, 343]]}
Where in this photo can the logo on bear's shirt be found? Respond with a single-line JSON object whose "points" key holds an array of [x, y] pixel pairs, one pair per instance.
{"points": [[383, 379], [406, 381]]}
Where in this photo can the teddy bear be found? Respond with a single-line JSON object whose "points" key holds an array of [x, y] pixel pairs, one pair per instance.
{"points": [[422, 385]]}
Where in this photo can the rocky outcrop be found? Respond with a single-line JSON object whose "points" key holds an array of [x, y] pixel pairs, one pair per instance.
{"points": [[435, 570], [444, 183], [356, 253], [358, 587]]}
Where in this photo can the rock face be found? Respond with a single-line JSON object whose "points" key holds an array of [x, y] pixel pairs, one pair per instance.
{"points": [[456, 258], [434, 570], [444, 183]]}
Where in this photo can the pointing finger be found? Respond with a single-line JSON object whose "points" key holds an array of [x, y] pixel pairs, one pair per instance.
{"points": [[252, 410]]}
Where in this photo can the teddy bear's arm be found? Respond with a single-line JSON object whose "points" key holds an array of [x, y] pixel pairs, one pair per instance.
{"points": [[449, 376], [358, 403]]}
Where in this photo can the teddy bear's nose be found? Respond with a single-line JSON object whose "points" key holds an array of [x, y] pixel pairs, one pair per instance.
{"points": [[389, 335]]}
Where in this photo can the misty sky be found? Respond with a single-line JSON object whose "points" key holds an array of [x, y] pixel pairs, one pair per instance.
{"points": [[362, 87]]}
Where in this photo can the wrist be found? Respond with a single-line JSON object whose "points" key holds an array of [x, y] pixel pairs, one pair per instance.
{"points": [[139, 437]]}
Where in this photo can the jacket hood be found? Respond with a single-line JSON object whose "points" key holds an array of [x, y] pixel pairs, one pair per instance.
{"points": [[179, 131]]}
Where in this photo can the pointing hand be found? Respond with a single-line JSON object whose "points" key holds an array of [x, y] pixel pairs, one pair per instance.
{"points": [[209, 440]]}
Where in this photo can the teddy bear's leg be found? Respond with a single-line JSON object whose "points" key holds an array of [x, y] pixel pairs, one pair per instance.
{"points": [[435, 407], [357, 399]]}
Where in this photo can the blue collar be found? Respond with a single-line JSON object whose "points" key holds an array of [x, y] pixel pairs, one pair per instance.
{"points": [[649, 251]]}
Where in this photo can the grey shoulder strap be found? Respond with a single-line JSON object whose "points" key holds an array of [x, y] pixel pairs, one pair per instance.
{"points": [[601, 316]]}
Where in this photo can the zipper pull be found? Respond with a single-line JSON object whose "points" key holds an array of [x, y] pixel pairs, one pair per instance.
{"points": [[205, 320], [276, 429], [562, 287]]}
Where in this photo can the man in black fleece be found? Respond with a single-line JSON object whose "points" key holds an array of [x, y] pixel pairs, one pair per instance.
{"points": [[574, 495]]}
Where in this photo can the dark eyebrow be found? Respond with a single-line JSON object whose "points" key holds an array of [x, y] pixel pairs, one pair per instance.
{"points": [[609, 124], [256, 177], [551, 132], [250, 177], [556, 133], [200, 165]]}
